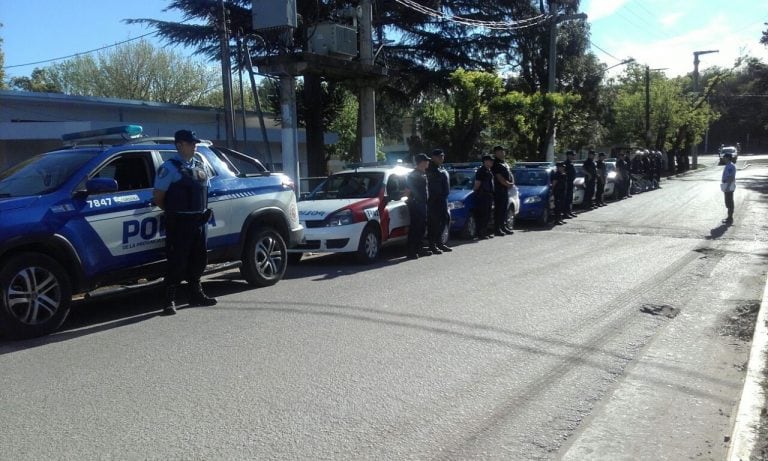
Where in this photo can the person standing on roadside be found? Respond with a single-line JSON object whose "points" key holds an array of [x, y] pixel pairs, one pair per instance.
{"points": [[181, 190], [416, 184], [602, 175], [483, 192], [570, 176], [438, 216], [503, 181], [728, 185], [590, 179], [559, 181]]}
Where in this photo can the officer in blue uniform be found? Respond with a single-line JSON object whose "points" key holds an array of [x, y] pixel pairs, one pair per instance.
{"points": [[570, 176], [438, 216], [503, 181], [483, 192], [416, 183], [181, 190]]}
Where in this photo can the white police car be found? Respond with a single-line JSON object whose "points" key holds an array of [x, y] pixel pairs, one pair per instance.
{"points": [[355, 211], [82, 217]]}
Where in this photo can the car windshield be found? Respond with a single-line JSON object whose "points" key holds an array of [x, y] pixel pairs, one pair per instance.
{"points": [[348, 185], [728, 150], [42, 174], [531, 177], [462, 179]]}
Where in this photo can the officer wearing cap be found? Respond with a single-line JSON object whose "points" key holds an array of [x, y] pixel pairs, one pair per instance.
{"points": [[483, 193], [416, 189], [503, 181], [602, 177], [570, 176], [438, 216], [181, 190]]}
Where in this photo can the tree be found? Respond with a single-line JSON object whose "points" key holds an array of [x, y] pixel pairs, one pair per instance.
{"points": [[135, 71], [40, 81]]}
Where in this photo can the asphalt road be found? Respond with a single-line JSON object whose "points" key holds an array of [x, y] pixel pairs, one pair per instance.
{"points": [[605, 338]]}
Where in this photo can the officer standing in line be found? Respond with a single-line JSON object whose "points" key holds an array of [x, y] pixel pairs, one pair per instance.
{"points": [[602, 175], [728, 185], [622, 172], [570, 176], [438, 216], [181, 190], [416, 184], [559, 181], [503, 181], [483, 192], [590, 179]]}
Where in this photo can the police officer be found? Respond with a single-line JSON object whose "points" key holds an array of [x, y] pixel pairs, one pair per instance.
{"points": [[570, 176], [559, 184], [416, 183], [181, 190], [483, 194], [602, 176], [622, 173], [438, 216], [503, 181], [590, 179]]}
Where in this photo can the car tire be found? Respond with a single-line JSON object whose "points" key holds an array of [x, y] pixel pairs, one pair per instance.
{"points": [[511, 217], [544, 218], [36, 295], [369, 247], [265, 258], [470, 227], [294, 258]]}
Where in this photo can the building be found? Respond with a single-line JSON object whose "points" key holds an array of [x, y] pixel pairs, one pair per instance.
{"points": [[31, 123]]}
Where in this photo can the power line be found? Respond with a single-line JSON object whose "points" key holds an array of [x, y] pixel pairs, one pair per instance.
{"points": [[82, 52], [607, 53], [502, 25]]}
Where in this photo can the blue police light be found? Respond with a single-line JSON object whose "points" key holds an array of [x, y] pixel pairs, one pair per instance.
{"points": [[127, 131]]}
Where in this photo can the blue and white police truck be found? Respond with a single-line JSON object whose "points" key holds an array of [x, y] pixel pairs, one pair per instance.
{"points": [[82, 217]]}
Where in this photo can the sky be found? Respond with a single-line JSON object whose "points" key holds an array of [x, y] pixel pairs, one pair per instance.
{"points": [[661, 34]]}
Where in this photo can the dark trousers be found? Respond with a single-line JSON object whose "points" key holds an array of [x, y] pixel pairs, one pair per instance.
{"points": [[500, 203], [729, 202], [438, 218], [589, 192], [482, 212], [560, 207], [599, 191], [418, 214], [185, 247], [568, 204]]}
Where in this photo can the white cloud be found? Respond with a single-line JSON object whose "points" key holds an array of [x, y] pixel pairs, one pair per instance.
{"points": [[671, 19], [597, 9]]}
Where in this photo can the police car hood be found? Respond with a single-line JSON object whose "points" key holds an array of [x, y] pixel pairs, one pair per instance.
{"points": [[13, 203], [458, 194], [530, 191], [317, 210]]}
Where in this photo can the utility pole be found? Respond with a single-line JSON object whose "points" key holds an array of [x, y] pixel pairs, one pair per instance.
{"points": [[226, 76], [290, 137], [551, 68], [367, 92], [696, 54]]}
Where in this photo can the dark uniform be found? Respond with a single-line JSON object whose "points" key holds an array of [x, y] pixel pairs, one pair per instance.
{"points": [[438, 216], [483, 200], [622, 168], [570, 176], [601, 178], [185, 187], [559, 181], [501, 196], [590, 181], [417, 209]]}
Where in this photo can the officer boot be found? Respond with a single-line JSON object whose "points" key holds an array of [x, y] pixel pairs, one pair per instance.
{"points": [[169, 300], [197, 297]]}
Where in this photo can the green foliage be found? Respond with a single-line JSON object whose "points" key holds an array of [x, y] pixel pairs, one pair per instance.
{"points": [[41, 81], [345, 126]]}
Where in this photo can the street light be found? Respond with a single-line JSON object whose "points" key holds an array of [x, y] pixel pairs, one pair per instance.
{"points": [[696, 54]]}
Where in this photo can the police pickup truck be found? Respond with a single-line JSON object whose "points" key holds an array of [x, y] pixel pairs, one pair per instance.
{"points": [[80, 218]]}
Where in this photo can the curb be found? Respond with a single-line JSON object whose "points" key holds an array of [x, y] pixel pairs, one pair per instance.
{"points": [[752, 397]]}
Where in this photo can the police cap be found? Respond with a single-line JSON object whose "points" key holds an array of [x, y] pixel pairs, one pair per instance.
{"points": [[185, 136], [420, 158], [487, 157], [437, 152]]}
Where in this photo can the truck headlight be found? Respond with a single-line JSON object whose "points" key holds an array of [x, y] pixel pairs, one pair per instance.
{"points": [[455, 205]]}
